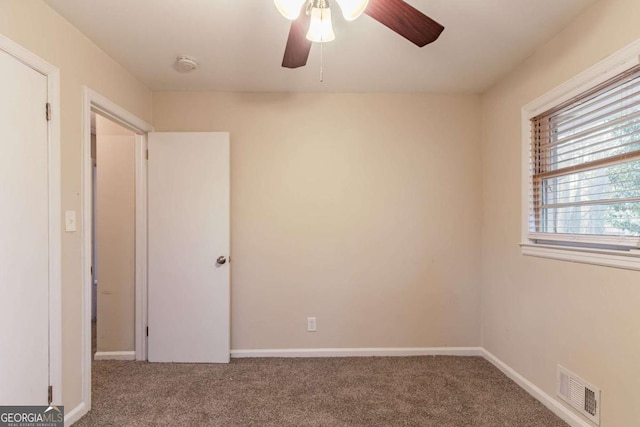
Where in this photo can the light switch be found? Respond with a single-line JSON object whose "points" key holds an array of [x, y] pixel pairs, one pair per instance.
{"points": [[70, 221]]}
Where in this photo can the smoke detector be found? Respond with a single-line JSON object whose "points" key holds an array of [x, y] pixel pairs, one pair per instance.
{"points": [[185, 64]]}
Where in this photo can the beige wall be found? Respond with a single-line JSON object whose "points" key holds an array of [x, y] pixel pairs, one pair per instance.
{"points": [[360, 209], [539, 312], [32, 24], [115, 236]]}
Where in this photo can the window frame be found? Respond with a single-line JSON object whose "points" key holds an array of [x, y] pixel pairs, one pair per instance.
{"points": [[560, 247]]}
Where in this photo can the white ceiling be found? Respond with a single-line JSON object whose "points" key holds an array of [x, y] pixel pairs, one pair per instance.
{"points": [[239, 44]]}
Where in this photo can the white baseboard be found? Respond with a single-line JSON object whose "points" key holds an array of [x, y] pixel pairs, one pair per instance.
{"points": [[115, 355], [75, 414], [552, 404], [358, 352]]}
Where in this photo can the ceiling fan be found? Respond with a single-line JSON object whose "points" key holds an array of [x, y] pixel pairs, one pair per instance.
{"points": [[312, 23]]}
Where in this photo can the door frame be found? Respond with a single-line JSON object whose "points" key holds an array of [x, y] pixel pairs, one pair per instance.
{"points": [[55, 227], [94, 102]]}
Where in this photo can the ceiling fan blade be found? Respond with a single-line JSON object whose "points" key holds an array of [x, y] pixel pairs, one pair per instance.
{"points": [[405, 20], [297, 51]]}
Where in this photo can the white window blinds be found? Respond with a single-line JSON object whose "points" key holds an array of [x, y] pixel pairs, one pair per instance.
{"points": [[585, 167]]}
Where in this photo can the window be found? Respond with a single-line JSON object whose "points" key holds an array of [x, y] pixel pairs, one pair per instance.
{"points": [[581, 167], [585, 167]]}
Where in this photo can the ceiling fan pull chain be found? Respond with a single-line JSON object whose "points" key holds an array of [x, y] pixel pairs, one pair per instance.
{"points": [[321, 62]]}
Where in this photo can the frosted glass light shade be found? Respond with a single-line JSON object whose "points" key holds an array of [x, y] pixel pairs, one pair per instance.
{"points": [[321, 28], [352, 9], [290, 9]]}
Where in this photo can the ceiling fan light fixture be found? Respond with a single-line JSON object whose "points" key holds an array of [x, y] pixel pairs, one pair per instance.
{"points": [[290, 9], [321, 28], [352, 9]]}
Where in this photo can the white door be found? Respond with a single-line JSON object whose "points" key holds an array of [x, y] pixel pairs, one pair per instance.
{"points": [[24, 235], [188, 233]]}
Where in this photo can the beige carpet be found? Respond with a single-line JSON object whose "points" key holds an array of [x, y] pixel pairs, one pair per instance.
{"points": [[408, 391]]}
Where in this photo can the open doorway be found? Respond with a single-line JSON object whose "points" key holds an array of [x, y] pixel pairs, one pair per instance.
{"points": [[98, 107], [113, 240]]}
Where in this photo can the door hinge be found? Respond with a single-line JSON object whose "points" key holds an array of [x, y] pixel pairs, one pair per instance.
{"points": [[147, 331], [147, 154], [50, 394], [48, 111]]}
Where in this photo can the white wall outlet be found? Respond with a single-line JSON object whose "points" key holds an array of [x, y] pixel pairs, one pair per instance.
{"points": [[312, 324], [70, 221]]}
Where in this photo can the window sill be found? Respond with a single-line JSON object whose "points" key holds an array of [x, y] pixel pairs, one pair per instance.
{"points": [[629, 260]]}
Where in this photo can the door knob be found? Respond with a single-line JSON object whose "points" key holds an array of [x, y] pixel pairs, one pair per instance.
{"points": [[221, 260]]}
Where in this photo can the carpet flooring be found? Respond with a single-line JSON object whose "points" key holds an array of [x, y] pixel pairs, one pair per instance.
{"points": [[382, 391]]}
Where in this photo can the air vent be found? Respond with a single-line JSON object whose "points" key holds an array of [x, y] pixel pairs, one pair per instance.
{"points": [[579, 394]]}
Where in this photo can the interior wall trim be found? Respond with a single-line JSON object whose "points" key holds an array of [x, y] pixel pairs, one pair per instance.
{"points": [[358, 352], [115, 355], [93, 101], [75, 414]]}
